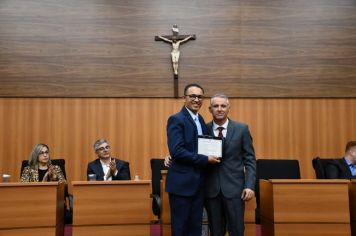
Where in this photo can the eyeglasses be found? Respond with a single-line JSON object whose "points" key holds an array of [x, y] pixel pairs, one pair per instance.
{"points": [[194, 97], [45, 152], [103, 148]]}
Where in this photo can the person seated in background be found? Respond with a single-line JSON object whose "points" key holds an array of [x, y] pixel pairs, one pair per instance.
{"points": [[39, 167], [344, 168], [106, 167]]}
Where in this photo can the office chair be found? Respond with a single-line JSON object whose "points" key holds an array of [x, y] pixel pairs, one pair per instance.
{"points": [[319, 165], [273, 169], [156, 166], [68, 217]]}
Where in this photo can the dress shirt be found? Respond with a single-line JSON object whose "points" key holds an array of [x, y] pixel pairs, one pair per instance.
{"points": [[106, 169], [351, 166], [195, 117], [216, 130]]}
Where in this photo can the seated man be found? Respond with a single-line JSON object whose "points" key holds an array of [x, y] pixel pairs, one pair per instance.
{"points": [[344, 168], [106, 167]]}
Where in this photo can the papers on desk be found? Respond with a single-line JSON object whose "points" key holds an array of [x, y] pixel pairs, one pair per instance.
{"points": [[210, 146]]}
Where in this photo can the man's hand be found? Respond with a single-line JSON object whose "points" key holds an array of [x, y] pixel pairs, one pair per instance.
{"points": [[168, 161], [213, 160], [247, 194], [112, 166]]}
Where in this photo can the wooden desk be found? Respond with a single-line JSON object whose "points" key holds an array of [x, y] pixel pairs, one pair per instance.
{"points": [[32, 209], [250, 226], [115, 208], [305, 207]]}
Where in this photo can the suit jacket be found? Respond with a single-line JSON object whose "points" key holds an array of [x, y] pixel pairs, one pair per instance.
{"points": [[237, 169], [338, 169], [185, 176], [31, 175], [123, 168]]}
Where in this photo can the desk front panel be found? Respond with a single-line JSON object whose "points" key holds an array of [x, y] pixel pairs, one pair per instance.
{"points": [[297, 201], [111, 203], [31, 205], [276, 229]]}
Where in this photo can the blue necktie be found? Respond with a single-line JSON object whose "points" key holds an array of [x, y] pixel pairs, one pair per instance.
{"points": [[200, 131]]}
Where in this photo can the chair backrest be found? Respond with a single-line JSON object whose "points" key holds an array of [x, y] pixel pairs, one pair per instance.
{"points": [[274, 169], [59, 162], [277, 169], [156, 166], [319, 165]]}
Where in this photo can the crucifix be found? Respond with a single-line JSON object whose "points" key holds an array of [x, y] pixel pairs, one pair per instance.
{"points": [[176, 40]]}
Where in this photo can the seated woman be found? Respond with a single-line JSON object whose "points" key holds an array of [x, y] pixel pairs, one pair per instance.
{"points": [[39, 167]]}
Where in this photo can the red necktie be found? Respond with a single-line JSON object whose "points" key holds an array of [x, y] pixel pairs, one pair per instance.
{"points": [[220, 135]]}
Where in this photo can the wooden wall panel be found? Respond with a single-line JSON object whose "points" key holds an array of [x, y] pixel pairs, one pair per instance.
{"points": [[281, 128], [246, 48]]}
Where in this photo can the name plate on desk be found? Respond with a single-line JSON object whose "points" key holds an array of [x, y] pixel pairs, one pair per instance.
{"points": [[210, 146]]}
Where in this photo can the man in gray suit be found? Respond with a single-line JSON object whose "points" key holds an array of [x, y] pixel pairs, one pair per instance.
{"points": [[232, 182]]}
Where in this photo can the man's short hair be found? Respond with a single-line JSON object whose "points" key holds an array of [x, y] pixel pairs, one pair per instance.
{"points": [[350, 145], [98, 143], [219, 95], [192, 85]]}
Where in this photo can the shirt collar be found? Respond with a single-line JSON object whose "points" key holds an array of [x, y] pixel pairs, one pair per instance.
{"points": [[103, 163], [194, 116], [349, 163], [215, 126]]}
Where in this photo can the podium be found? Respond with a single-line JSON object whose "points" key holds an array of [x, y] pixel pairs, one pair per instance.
{"points": [[32, 209], [116, 208], [305, 207], [250, 226]]}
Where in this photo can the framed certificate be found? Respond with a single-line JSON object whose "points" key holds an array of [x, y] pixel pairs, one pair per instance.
{"points": [[210, 146]]}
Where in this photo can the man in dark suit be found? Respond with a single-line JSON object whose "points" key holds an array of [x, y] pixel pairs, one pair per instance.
{"points": [[231, 182], [185, 176], [106, 167], [344, 168]]}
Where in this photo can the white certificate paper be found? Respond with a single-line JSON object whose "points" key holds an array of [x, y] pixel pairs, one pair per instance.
{"points": [[210, 146]]}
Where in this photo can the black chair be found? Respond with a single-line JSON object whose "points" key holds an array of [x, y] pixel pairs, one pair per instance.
{"points": [[273, 169], [156, 166], [68, 217], [319, 165]]}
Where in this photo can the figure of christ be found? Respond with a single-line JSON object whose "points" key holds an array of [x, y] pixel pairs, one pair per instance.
{"points": [[175, 49]]}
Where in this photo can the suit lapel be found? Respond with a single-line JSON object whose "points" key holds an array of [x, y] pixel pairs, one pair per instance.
{"points": [[99, 168], [210, 129], [190, 119], [346, 169], [187, 115], [230, 131]]}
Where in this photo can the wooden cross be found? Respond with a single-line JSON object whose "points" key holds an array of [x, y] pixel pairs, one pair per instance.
{"points": [[175, 39]]}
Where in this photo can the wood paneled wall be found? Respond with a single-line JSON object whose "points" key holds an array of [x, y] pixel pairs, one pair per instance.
{"points": [[281, 128], [246, 48]]}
